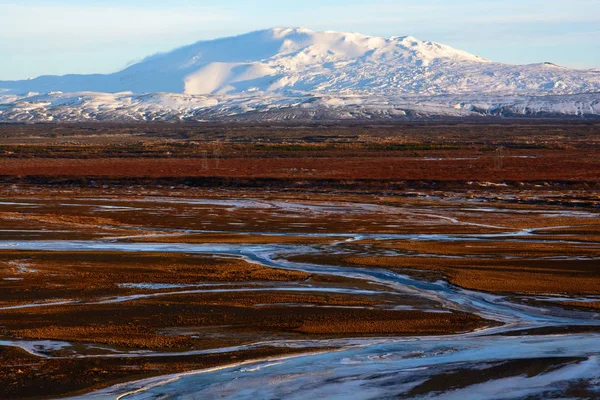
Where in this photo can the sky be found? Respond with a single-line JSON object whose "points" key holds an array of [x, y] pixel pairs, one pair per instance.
{"points": [[56, 37]]}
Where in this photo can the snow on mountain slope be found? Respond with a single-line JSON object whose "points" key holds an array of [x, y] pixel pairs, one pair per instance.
{"points": [[331, 74], [299, 60]]}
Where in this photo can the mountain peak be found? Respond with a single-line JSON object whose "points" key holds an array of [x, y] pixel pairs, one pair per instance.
{"points": [[275, 59], [295, 60]]}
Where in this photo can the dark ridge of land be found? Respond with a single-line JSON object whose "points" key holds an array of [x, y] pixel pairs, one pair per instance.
{"points": [[465, 377], [535, 132], [312, 184]]}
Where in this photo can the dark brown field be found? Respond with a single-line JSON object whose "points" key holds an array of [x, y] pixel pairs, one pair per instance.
{"points": [[380, 156]]}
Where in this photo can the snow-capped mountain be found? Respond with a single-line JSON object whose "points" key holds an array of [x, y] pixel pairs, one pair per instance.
{"points": [[284, 72]]}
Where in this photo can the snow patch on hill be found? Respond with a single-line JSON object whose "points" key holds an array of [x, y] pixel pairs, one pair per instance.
{"points": [[127, 106]]}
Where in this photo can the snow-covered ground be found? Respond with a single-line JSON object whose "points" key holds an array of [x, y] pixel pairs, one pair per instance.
{"points": [[88, 106], [280, 74]]}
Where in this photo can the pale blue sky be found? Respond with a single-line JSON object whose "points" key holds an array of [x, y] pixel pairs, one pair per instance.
{"points": [[84, 36]]}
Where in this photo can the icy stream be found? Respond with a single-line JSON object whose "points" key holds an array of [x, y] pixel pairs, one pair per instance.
{"points": [[371, 368]]}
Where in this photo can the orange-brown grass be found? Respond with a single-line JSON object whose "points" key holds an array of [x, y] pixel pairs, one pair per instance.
{"points": [[523, 276], [235, 239], [237, 317], [406, 322], [491, 248], [60, 219], [85, 275], [562, 165]]}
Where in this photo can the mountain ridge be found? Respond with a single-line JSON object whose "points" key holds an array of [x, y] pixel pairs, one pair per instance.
{"points": [[300, 60], [279, 68]]}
